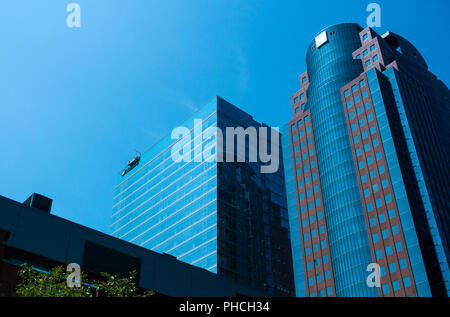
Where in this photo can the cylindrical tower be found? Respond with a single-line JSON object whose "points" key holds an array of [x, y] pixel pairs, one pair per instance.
{"points": [[330, 67]]}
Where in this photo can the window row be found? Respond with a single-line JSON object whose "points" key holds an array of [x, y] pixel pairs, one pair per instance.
{"points": [[306, 235], [300, 123], [362, 83], [315, 247], [309, 204], [396, 285], [302, 107], [301, 133], [369, 62], [315, 189], [320, 293], [359, 111], [307, 180], [312, 219], [318, 278], [317, 263]]}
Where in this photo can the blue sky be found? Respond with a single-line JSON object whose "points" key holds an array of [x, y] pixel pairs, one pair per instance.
{"points": [[76, 103]]}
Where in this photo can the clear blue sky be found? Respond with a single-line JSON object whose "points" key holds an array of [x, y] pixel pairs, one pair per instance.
{"points": [[76, 103]]}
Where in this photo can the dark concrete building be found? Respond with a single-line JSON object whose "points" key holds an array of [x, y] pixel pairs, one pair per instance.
{"points": [[29, 233], [367, 170]]}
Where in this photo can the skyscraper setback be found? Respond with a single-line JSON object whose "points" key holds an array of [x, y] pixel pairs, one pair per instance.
{"points": [[229, 218], [366, 168]]}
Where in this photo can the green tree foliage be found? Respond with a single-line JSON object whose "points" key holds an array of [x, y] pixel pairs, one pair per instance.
{"points": [[34, 283]]}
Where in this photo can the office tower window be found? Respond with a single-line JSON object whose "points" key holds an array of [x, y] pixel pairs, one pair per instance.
{"points": [[391, 213], [378, 254], [402, 264], [394, 229], [375, 238], [395, 285], [375, 188], [388, 250], [392, 267], [406, 282], [385, 289]]}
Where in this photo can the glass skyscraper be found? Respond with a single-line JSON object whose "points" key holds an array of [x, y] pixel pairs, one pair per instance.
{"points": [[366, 167], [225, 217]]}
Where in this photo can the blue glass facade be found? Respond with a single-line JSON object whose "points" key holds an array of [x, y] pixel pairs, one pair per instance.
{"points": [[225, 217], [171, 207], [427, 213], [409, 229], [296, 246], [417, 105], [329, 68], [379, 119]]}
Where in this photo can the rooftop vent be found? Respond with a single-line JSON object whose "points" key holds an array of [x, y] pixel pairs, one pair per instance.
{"points": [[39, 202]]}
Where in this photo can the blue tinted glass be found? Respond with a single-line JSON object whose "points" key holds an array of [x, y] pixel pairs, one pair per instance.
{"points": [[402, 263], [391, 213], [375, 238], [394, 230], [406, 282], [388, 250], [395, 285], [385, 289], [392, 267], [378, 254]]}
